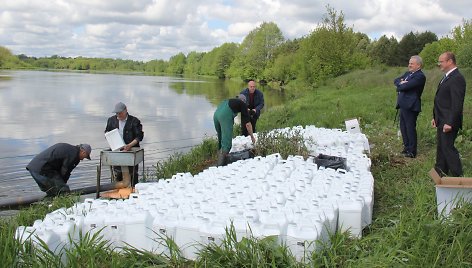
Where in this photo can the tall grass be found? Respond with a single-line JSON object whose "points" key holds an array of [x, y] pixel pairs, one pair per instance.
{"points": [[248, 252], [270, 143], [406, 230], [194, 162]]}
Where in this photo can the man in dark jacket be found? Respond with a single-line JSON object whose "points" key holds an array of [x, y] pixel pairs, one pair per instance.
{"points": [[409, 88], [448, 115], [131, 130], [51, 168], [255, 103]]}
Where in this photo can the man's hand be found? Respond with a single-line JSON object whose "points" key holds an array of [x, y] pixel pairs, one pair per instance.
{"points": [[433, 123], [127, 147], [130, 145], [447, 128]]}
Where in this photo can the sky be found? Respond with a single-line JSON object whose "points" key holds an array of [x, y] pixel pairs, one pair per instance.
{"points": [[158, 29]]}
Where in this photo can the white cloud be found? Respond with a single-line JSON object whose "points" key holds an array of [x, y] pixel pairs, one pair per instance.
{"points": [[158, 29]]}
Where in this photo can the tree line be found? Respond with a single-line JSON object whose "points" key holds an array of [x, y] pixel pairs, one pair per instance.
{"points": [[330, 50]]}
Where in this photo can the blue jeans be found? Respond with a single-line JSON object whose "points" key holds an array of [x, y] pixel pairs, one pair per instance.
{"points": [[51, 186]]}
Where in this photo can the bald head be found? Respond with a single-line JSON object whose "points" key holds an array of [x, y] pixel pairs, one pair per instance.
{"points": [[251, 85]]}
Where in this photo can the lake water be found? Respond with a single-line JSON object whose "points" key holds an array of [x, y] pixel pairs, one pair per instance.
{"points": [[39, 109]]}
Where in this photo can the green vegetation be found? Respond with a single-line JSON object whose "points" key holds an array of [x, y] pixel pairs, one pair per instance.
{"points": [[327, 71], [271, 143], [198, 159], [406, 230]]}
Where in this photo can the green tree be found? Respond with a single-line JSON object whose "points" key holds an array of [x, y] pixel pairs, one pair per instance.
{"points": [[193, 63], [412, 44], [406, 48], [431, 52], [256, 51], [463, 37], [384, 50], [5, 56], [425, 38], [330, 50], [176, 64], [284, 68], [224, 56], [462, 34], [155, 66], [464, 55]]}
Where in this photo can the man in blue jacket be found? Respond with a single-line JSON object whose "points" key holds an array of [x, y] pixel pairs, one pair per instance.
{"points": [[255, 103], [409, 89], [52, 167]]}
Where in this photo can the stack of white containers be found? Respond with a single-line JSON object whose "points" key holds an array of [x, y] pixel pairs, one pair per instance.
{"points": [[291, 199]]}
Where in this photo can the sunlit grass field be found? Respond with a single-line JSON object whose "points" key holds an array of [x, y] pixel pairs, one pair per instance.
{"points": [[406, 230]]}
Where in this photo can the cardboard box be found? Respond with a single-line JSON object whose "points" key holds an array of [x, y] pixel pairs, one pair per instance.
{"points": [[451, 192]]}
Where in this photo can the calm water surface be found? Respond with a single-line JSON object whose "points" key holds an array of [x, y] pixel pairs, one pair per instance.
{"points": [[39, 109]]}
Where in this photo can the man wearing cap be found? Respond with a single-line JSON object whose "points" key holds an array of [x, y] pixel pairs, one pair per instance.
{"points": [[131, 130], [255, 103], [52, 167], [223, 118]]}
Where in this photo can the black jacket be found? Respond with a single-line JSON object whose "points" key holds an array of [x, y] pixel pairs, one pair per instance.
{"points": [[258, 103], [449, 101], [133, 128], [59, 159]]}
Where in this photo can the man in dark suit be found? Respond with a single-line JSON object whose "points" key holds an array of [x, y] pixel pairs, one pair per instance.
{"points": [[447, 116], [409, 89]]}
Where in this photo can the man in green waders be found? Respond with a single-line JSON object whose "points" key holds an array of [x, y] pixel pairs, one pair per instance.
{"points": [[224, 120]]}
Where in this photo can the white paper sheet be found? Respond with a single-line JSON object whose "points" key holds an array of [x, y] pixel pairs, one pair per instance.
{"points": [[114, 139]]}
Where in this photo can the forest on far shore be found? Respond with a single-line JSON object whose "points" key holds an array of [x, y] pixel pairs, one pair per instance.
{"points": [[330, 50]]}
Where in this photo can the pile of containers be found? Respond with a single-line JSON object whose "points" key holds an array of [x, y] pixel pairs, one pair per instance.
{"points": [[291, 199]]}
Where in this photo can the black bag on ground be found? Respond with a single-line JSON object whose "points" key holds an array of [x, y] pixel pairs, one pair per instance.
{"points": [[241, 155], [329, 161]]}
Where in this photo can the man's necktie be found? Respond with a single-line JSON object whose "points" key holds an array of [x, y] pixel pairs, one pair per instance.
{"points": [[408, 77], [442, 80]]}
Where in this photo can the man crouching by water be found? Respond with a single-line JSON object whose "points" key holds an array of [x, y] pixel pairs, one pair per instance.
{"points": [[52, 167]]}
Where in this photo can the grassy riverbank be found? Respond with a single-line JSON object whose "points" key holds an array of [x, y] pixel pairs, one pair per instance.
{"points": [[405, 230]]}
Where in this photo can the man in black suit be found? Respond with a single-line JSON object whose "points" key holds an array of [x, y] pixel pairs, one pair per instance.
{"points": [[447, 116], [409, 89]]}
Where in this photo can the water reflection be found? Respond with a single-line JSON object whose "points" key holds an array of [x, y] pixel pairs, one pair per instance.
{"points": [[38, 109]]}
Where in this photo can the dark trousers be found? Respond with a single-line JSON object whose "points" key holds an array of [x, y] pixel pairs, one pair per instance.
{"points": [[447, 156], [408, 130], [244, 129], [52, 186]]}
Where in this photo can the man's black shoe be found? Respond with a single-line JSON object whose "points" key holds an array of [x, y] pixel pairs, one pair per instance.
{"points": [[404, 151], [440, 172], [410, 155]]}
